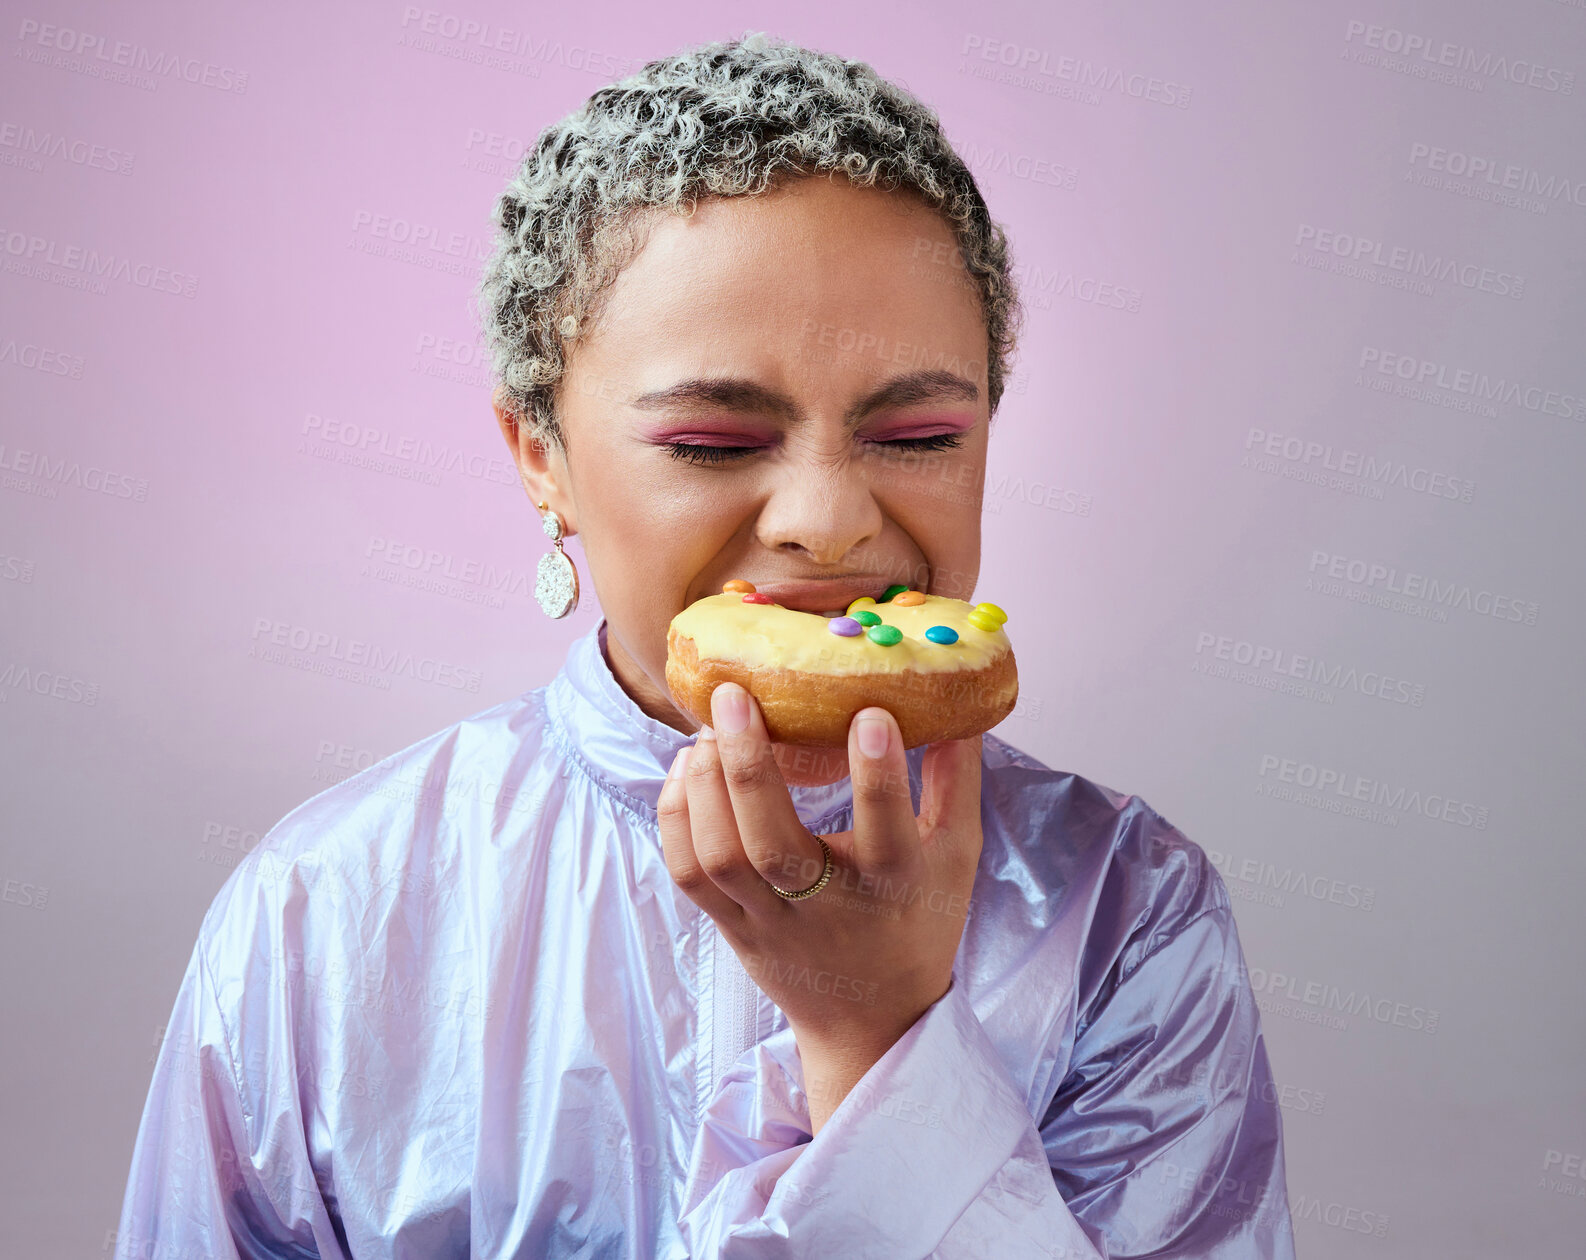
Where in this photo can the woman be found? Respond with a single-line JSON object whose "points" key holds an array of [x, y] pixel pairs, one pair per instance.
{"points": [[574, 976]]}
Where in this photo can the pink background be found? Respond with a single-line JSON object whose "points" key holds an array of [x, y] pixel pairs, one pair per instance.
{"points": [[176, 482]]}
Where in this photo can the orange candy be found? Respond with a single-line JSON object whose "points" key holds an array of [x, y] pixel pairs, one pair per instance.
{"points": [[908, 598], [738, 587]]}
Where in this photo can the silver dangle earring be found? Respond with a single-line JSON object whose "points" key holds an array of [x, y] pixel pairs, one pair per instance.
{"points": [[557, 585]]}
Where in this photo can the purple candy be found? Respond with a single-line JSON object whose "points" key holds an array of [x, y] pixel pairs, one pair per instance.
{"points": [[845, 626]]}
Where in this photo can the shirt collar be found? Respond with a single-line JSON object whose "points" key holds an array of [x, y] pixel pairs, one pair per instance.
{"points": [[628, 753]]}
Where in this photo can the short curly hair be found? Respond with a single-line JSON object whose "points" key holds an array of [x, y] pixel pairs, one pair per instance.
{"points": [[727, 119]]}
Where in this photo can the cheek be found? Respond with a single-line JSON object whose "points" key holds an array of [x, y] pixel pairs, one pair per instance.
{"points": [[946, 531], [648, 534], [688, 521], [647, 505], [950, 479], [937, 498]]}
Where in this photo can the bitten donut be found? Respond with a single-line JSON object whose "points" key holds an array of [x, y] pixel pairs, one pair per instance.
{"points": [[942, 667]]}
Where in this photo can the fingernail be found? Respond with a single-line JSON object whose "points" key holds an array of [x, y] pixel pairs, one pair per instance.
{"points": [[704, 732], [729, 705], [873, 736], [678, 762]]}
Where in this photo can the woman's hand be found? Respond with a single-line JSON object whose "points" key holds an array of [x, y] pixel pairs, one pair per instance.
{"points": [[856, 964]]}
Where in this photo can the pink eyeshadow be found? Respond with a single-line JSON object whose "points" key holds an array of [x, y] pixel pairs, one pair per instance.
{"points": [[925, 428], [922, 427], [708, 437]]}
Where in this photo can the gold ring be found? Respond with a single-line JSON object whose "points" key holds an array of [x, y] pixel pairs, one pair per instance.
{"points": [[817, 885]]}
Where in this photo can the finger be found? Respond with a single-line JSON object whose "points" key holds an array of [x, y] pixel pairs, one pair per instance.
{"points": [[950, 796], [886, 835], [677, 844], [717, 843], [775, 840]]}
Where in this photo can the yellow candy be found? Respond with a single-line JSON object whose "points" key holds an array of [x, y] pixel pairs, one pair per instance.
{"points": [[864, 601], [983, 621], [992, 611]]}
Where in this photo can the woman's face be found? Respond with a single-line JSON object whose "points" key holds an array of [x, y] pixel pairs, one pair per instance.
{"points": [[788, 388]]}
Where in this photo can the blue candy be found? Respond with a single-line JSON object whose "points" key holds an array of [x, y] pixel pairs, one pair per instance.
{"points": [[942, 634]]}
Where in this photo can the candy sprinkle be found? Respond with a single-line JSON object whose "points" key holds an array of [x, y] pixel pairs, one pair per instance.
{"points": [[886, 636], [891, 591], [992, 611], [738, 587], [942, 634], [864, 601], [754, 598], [908, 599], [865, 617], [845, 626], [980, 620]]}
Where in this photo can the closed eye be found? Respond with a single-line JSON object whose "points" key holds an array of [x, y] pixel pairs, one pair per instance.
{"points": [[707, 454], [696, 454]]}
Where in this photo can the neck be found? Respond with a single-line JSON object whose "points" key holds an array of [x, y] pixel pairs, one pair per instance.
{"points": [[653, 700]]}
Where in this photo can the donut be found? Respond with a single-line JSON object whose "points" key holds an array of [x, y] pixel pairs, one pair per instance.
{"points": [[942, 667]]}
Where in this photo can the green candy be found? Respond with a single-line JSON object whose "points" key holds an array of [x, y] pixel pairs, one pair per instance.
{"points": [[886, 636], [890, 592], [865, 617]]}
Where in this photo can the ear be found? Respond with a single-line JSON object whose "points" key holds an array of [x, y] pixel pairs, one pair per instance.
{"points": [[542, 465]]}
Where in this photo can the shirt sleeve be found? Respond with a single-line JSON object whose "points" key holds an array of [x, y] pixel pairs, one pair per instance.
{"points": [[1166, 1132], [933, 1153], [1163, 1139], [202, 1183]]}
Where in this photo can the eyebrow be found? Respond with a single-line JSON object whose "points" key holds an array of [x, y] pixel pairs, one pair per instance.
{"points": [[738, 394]]}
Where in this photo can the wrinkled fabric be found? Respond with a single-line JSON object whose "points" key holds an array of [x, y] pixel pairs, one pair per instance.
{"points": [[456, 1006]]}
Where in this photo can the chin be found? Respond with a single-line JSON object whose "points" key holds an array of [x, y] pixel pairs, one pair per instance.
{"points": [[804, 766]]}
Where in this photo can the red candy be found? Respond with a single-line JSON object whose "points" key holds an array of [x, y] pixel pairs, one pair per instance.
{"points": [[755, 597]]}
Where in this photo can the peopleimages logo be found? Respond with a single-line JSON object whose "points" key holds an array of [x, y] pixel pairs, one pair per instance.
{"points": [[424, 245], [328, 437], [1371, 470], [65, 471], [41, 358], [31, 146], [1083, 79], [93, 54], [1508, 176], [1039, 285], [1567, 1165], [1430, 52], [44, 682], [1320, 996], [1374, 575], [1348, 788], [1255, 879], [1223, 1081], [360, 660], [29, 254], [443, 573], [1417, 378], [989, 160], [1262, 658], [1415, 265], [503, 48]]}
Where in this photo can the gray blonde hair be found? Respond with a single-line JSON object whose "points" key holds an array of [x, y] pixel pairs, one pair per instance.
{"points": [[721, 120]]}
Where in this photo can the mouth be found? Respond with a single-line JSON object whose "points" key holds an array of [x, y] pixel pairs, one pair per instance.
{"points": [[826, 596]]}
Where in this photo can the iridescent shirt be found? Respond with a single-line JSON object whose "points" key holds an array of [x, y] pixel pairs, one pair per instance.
{"points": [[456, 1006]]}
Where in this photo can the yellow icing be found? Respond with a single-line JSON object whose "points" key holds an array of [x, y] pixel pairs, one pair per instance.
{"points": [[723, 627]]}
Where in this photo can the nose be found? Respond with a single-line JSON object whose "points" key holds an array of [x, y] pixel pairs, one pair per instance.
{"points": [[821, 509]]}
